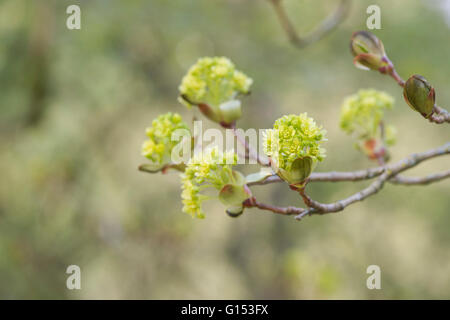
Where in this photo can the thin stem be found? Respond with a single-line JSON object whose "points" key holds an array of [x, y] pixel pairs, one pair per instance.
{"points": [[340, 205], [389, 172], [384, 174], [249, 150], [397, 77], [440, 115], [420, 180], [252, 203], [331, 176], [323, 29], [359, 175]]}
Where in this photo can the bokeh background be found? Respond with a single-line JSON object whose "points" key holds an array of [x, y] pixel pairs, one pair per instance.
{"points": [[74, 106]]}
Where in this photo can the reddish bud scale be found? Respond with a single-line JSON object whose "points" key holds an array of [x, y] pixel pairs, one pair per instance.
{"points": [[373, 149]]}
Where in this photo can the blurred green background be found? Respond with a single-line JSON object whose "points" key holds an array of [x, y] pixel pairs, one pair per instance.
{"points": [[74, 106]]}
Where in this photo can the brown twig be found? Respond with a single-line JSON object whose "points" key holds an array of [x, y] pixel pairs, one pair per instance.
{"points": [[420, 180], [321, 208], [361, 175], [440, 115], [323, 29], [397, 77], [252, 203], [332, 176], [389, 172]]}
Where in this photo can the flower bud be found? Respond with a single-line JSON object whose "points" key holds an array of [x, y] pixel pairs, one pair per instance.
{"points": [[369, 52], [362, 116], [213, 169], [158, 147], [213, 84], [419, 95], [374, 149], [293, 146], [300, 170]]}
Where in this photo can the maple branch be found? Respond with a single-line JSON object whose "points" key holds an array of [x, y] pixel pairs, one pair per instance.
{"points": [[360, 175], [332, 176], [389, 172], [420, 180], [252, 203], [440, 115]]}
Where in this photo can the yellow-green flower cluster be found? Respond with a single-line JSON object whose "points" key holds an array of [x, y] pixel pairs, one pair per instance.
{"points": [[362, 113], [208, 169], [294, 137], [159, 145], [213, 80]]}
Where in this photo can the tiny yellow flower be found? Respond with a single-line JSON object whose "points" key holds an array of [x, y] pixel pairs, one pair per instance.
{"points": [[159, 145], [212, 83], [294, 146], [362, 113], [210, 169]]}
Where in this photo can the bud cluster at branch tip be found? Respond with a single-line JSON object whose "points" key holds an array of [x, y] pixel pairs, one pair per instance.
{"points": [[213, 169], [369, 52], [362, 116], [159, 145], [293, 146], [419, 95], [213, 84]]}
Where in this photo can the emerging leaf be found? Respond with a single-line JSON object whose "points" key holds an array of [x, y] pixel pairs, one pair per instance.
{"points": [[233, 195], [258, 176]]}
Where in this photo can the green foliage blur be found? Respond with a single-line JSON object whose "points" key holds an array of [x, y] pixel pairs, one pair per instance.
{"points": [[74, 105]]}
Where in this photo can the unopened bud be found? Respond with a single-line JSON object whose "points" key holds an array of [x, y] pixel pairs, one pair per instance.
{"points": [[374, 149], [300, 170], [369, 52], [419, 95]]}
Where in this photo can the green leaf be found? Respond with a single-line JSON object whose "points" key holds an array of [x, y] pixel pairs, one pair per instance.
{"points": [[258, 176], [233, 195]]}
